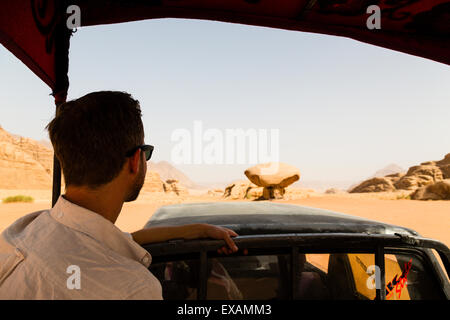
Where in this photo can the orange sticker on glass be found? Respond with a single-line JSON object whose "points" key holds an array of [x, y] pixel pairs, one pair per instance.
{"points": [[394, 288]]}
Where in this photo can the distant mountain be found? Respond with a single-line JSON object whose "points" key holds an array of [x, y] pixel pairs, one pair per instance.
{"points": [[167, 171], [389, 169]]}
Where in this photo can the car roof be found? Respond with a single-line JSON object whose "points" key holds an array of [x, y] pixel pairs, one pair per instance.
{"points": [[265, 217]]}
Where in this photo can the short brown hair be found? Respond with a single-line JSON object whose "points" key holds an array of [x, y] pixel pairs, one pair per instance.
{"points": [[92, 134]]}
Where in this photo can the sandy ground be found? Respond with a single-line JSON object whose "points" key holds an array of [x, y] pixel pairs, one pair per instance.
{"points": [[429, 218]]}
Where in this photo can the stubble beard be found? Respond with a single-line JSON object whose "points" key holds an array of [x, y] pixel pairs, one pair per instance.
{"points": [[137, 184]]}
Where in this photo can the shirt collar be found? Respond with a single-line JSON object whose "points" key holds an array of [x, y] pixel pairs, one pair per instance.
{"points": [[99, 228]]}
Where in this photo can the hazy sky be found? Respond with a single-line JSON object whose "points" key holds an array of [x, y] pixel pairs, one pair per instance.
{"points": [[343, 109]]}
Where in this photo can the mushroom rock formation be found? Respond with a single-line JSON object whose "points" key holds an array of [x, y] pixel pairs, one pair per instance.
{"points": [[274, 177]]}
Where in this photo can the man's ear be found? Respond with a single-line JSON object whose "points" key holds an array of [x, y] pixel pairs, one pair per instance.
{"points": [[133, 161]]}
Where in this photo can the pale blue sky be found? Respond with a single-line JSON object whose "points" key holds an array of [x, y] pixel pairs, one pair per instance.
{"points": [[344, 109]]}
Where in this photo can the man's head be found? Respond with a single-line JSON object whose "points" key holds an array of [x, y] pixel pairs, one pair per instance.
{"points": [[92, 135]]}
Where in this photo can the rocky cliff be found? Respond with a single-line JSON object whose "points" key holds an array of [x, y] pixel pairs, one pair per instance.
{"points": [[428, 177], [24, 163]]}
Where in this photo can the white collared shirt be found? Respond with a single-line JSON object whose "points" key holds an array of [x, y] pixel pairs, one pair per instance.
{"points": [[70, 252]]}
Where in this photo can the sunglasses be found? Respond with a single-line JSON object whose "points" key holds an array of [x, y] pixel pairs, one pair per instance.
{"points": [[148, 149]]}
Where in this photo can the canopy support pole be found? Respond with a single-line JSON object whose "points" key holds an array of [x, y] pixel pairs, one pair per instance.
{"points": [[56, 180], [56, 188], [62, 43]]}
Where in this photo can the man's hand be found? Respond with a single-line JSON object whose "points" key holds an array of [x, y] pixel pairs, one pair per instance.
{"points": [[188, 232], [215, 232]]}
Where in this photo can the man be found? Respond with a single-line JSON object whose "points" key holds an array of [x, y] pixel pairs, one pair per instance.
{"points": [[74, 250]]}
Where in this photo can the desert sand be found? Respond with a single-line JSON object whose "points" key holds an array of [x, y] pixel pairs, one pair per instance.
{"points": [[430, 218]]}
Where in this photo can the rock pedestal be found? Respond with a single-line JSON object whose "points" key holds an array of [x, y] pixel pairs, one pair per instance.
{"points": [[273, 192]]}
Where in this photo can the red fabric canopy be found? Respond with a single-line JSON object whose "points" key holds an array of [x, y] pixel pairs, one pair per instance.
{"points": [[35, 30]]}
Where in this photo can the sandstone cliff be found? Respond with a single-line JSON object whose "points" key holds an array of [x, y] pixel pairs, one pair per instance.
{"points": [[24, 163], [427, 177]]}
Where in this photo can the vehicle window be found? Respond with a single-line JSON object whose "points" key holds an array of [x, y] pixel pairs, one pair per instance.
{"points": [[179, 279], [407, 278], [441, 264], [320, 277], [337, 276], [334, 276], [267, 277], [261, 277]]}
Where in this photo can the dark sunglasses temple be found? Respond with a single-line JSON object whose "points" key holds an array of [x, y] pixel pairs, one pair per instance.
{"points": [[148, 153], [147, 149]]}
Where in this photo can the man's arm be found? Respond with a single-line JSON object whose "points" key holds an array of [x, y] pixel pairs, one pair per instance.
{"points": [[189, 231]]}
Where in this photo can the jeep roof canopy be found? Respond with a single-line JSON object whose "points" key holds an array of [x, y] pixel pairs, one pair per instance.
{"points": [[35, 31]]}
